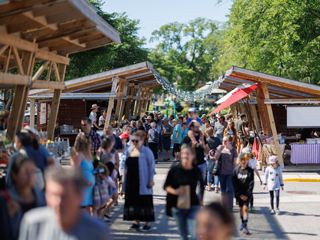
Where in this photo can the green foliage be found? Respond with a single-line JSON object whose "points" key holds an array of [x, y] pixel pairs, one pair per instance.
{"points": [[259, 32], [107, 57], [186, 52]]}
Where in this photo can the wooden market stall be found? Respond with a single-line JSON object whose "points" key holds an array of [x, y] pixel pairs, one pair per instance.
{"points": [[268, 104], [127, 89], [45, 31]]}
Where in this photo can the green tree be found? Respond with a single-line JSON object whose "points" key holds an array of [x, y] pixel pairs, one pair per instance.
{"points": [[101, 59], [186, 52], [259, 32]]}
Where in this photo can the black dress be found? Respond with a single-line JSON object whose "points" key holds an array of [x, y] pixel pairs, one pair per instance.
{"points": [[136, 206]]}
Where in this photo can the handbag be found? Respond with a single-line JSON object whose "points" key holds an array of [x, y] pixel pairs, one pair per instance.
{"points": [[218, 163], [184, 201]]}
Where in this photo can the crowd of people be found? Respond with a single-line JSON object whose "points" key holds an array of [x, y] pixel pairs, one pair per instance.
{"points": [[44, 201]]}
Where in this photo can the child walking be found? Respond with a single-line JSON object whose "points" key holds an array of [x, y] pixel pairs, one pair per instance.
{"points": [[253, 165], [273, 177], [243, 182]]}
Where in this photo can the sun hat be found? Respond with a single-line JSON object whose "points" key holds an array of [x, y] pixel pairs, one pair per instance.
{"points": [[192, 110], [94, 106], [149, 118], [124, 135], [31, 130], [246, 150], [272, 159], [244, 156]]}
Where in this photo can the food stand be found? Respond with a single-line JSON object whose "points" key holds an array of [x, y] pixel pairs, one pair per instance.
{"points": [[269, 105]]}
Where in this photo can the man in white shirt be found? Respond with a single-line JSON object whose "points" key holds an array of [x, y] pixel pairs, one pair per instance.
{"points": [[93, 117]]}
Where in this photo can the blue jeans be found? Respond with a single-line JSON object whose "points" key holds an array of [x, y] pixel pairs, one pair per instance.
{"points": [[227, 189], [210, 165], [186, 221], [203, 171]]}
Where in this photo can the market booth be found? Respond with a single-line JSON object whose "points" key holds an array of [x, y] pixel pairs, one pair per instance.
{"points": [[45, 31], [126, 90], [284, 111]]}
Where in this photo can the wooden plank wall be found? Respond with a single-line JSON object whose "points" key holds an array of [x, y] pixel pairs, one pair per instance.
{"points": [[71, 112]]}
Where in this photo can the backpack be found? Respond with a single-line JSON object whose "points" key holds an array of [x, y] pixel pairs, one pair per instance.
{"points": [[155, 137], [39, 182], [100, 193]]}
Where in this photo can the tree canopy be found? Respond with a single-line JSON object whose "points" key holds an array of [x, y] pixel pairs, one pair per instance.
{"points": [[259, 32], [186, 52]]}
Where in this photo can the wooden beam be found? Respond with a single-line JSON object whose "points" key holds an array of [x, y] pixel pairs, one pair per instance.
{"points": [[56, 71], [115, 81], [17, 42], [28, 63], [45, 55], [18, 61], [129, 101], [41, 84], [254, 115], [74, 42], [14, 79], [233, 111], [119, 101], [49, 72], [16, 110], [137, 101], [260, 111], [3, 48], [40, 20], [141, 101], [264, 88], [40, 70], [56, 101], [32, 112], [53, 113], [7, 61]]}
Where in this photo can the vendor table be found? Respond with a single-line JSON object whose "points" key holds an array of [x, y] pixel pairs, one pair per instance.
{"points": [[305, 153]]}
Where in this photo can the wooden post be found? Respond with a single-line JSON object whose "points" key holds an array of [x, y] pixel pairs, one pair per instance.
{"points": [[32, 112], [149, 101], [134, 99], [123, 102], [264, 113], [261, 114], [137, 101], [144, 102], [56, 102], [255, 117], [247, 115], [128, 102], [16, 110], [233, 111], [121, 90], [144, 91], [272, 123], [115, 81]]}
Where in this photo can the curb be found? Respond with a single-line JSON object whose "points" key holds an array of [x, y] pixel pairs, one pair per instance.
{"points": [[302, 180]]}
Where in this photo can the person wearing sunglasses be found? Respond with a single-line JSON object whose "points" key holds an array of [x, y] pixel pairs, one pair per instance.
{"points": [[87, 131], [138, 182]]}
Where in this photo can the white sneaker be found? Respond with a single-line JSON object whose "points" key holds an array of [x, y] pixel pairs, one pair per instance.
{"points": [[278, 211], [272, 212]]}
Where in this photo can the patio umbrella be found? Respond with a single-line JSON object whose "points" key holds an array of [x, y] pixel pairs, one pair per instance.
{"points": [[229, 94], [236, 96]]}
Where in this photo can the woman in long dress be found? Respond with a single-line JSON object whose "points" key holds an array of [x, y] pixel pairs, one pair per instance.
{"points": [[138, 182]]}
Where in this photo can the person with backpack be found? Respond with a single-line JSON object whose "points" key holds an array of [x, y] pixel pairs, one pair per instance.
{"points": [[177, 138], [153, 140], [243, 182], [213, 143]]}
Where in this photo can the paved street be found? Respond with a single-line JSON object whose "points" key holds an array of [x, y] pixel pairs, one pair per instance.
{"points": [[299, 205]]}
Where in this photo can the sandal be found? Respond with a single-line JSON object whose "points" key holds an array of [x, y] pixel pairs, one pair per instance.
{"points": [[209, 188], [216, 190]]}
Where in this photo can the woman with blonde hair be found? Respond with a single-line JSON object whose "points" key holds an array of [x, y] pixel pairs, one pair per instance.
{"points": [[81, 158]]}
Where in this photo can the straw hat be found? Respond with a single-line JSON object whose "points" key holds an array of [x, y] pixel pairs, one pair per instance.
{"points": [[94, 106]]}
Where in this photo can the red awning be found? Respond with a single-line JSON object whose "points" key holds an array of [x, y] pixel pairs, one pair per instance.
{"points": [[236, 96]]}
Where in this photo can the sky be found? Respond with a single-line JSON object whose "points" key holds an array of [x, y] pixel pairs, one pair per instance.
{"points": [[154, 14]]}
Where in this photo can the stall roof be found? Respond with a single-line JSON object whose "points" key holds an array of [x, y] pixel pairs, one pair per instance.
{"points": [[279, 87], [47, 27], [139, 73]]}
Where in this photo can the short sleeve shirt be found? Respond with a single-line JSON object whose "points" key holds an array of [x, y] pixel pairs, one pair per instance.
{"points": [[95, 140], [239, 125], [101, 118], [177, 129], [167, 129], [93, 117]]}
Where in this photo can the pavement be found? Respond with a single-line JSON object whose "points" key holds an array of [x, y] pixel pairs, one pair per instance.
{"points": [[299, 206]]}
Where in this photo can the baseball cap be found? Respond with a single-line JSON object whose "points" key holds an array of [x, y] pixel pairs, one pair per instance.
{"points": [[31, 130], [165, 118], [244, 156], [124, 135], [246, 150], [192, 110]]}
